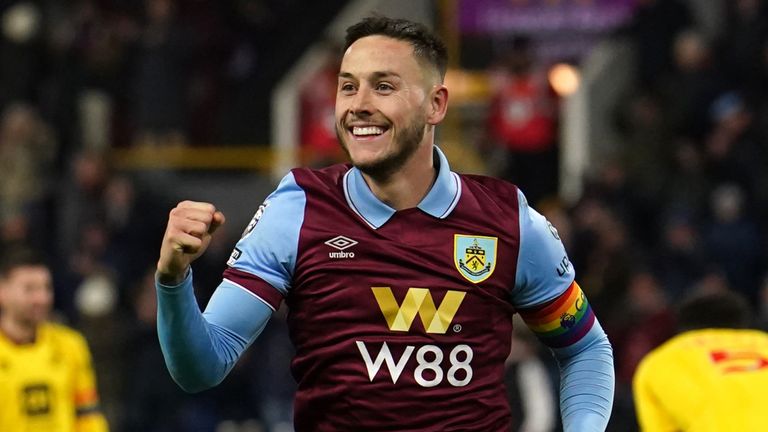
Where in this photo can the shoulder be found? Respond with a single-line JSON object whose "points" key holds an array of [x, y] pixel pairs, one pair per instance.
{"points": [[63, 335], [490, 185], [285, 206], [61, 331], [491, 195], [328, 177]]}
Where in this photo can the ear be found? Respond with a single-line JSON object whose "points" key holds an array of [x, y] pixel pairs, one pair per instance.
{"points": [[438, 104]]}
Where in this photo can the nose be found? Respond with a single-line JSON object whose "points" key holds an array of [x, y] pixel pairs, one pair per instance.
{"points": [[362, 104]]}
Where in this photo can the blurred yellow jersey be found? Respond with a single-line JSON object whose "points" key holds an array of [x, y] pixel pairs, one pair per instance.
{"points": [[705, 380], [48, 386]]}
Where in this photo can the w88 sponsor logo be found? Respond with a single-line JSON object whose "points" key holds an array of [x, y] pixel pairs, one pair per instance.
{"points": [[430, 369]]}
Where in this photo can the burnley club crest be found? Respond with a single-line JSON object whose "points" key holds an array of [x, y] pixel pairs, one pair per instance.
{"points": [[475, 256]]}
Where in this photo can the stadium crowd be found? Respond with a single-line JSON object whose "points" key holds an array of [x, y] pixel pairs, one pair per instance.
{"points": [[679, 208]]}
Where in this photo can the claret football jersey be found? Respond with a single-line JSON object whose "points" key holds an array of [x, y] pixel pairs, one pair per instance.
{"points": [[402, 320]]}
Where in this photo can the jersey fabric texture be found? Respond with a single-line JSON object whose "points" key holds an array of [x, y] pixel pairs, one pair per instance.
{"points": [[49, 385], [704, 380], [401, 320]]}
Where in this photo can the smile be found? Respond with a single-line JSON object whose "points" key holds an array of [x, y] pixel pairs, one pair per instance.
{"points": [[367, 131]]}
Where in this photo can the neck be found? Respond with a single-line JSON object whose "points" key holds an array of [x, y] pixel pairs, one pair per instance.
{"points": [[410, 184], [16, 331]]}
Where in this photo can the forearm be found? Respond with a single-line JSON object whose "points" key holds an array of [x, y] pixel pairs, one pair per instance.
{"points": [[201, 348], [587, 383], [187, 339]]}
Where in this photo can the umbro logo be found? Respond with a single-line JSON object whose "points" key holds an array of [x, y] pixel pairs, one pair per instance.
{"points": [[340, 243]]}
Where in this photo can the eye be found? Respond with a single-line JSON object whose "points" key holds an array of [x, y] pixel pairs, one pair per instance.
{"points": [[346, 87], [384, 87]]}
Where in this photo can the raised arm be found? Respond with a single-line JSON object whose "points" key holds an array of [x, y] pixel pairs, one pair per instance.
{"points": [[201, 348]]}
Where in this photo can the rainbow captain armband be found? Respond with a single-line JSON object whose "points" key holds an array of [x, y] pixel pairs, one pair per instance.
{"points": [[562, 321]]}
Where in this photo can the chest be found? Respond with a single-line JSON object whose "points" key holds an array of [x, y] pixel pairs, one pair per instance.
{"points": [[34, 377], [417, 273]]}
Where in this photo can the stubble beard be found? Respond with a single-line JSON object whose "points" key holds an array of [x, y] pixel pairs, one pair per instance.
{"points": [[406, 144]]}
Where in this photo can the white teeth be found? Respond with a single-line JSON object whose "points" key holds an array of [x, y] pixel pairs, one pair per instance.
{"points": [[369, 130]]}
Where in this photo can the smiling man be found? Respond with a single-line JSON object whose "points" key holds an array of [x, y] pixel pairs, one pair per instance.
{"points": [[388, 103], [401, 277]]}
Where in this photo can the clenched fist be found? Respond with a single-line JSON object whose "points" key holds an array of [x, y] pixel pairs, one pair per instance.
{"points": [[187, 236]]}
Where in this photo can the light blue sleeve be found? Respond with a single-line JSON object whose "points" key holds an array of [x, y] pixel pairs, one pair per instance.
{"points": [[544, 272], [200, 349], [543, 268], [587, 382], [269, 243]]}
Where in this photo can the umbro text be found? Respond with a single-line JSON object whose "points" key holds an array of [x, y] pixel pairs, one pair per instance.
{"points": [[341, 254]]}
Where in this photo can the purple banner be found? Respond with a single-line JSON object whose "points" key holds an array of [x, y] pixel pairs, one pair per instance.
{"points": [[542, 16]]}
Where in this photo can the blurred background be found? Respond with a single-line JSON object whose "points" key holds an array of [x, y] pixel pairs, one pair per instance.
{"points": [[639, 128]]}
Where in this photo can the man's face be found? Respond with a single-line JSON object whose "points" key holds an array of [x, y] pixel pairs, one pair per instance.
{"points": [[382, 102], [26, 294]]}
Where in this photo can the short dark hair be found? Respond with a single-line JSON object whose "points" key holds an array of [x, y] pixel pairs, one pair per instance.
{"points": [[20, 256], [724, 309], [426, 46]]}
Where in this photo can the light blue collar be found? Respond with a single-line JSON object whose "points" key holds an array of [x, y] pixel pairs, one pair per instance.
{"points": [[439, 201]]}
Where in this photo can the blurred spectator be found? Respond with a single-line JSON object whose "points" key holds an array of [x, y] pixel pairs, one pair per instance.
{"points": [[522, 122], [318, 119], [531, 383], [687, 186], [682, 259], [106, 224], [84, 264], [131, 221], [101, 44], [645, 147], [653, 28], [27, 155], [713, 281], [734, 153], [20, 55], [647, 320], [83, 92], [692, 84], [611, 188], [746, 31], [602, 257], [734, 242], [161, 86], [80, 198]]}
